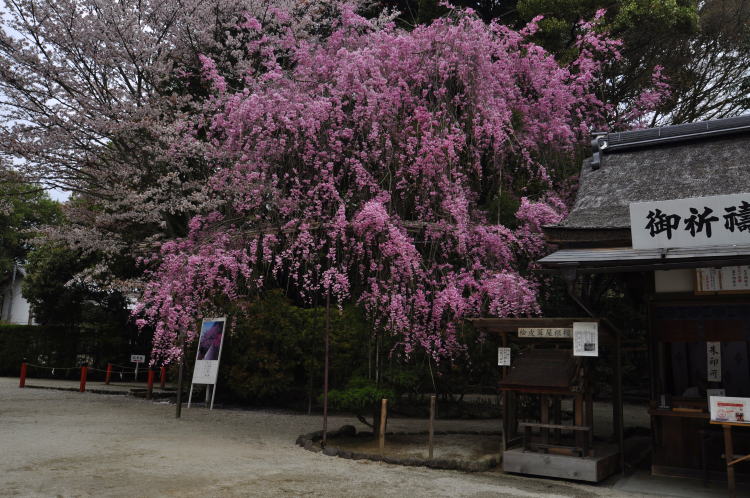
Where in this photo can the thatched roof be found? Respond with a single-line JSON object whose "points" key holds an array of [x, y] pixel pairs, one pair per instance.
{"points": [[682, 161]]}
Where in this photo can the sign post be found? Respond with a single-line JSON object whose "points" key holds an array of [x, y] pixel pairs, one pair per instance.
{"points": [[210, 344], [137, 359]]}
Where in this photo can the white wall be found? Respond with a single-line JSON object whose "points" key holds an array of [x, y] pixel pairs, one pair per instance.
{"points": [[20, 312]]}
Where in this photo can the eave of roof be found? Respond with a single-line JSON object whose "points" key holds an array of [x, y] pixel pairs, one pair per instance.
{"points": [[624, 259]]}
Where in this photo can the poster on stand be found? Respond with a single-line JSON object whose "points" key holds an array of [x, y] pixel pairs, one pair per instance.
{"points": [[730, 409], [585, 339], [208, 355]]}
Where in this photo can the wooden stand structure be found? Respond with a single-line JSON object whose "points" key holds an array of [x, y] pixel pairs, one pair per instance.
{"points": [[545, 371], [729, 456]]}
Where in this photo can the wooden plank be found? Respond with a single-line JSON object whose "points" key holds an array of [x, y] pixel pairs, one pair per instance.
{"points": [[562, 466], [555, 426], [513, 324]]}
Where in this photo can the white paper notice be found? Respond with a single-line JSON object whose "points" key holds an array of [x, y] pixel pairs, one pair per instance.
{"points": [[713, 353], [585, 339], [503, 357], [728, 409]]}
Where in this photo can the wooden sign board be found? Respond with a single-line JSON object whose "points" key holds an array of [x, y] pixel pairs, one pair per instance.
{"points": [[546, 332]]}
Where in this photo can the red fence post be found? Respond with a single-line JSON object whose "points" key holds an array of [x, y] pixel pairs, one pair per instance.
{"points": [[150, 392], [163, 377], [84, 372], [22, 381], [109, 373]]}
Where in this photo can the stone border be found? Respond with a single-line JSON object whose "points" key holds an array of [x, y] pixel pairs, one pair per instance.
{"points": [[311, 442]]}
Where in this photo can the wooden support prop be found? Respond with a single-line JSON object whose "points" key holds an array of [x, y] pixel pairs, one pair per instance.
{"points": [[431, 426], [22, 379], [84, 373], [150, 384], [383, 415], [108, 375], [163, 377]]}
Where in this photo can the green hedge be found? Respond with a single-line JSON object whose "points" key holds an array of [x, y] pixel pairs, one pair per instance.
{"points": [[34, 343]]}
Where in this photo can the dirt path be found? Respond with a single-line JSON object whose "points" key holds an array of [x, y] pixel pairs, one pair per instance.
{"points": [[73, 444]]}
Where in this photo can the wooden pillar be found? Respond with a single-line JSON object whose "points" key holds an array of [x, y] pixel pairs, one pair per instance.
{"points": [[589, 403], [506, 400], [544, 415], [431, 427], [729, 456], [578, 419], [617, 415], [557, 416]]}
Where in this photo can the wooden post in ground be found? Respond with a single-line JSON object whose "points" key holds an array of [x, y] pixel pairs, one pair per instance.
{"points": [[178, 404], [108, 375], [163, 377], [150, 384], [431, 427], [383, 415], [22, 379], [84, 372], [326, 352]]}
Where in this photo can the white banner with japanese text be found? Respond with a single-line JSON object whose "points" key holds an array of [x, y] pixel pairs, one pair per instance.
{"points": [[720, 220]]}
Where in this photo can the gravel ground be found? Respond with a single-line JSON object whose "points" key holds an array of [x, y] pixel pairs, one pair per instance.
{"points": [[57, 443]]}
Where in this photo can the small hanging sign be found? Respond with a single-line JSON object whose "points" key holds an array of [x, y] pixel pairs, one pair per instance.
{"points": [[549, 332], [585, 339], [503, 357], [713, 353]]}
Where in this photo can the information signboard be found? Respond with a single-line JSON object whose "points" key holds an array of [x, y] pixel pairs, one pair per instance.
{"points": [[208, 355], [210, 344]]}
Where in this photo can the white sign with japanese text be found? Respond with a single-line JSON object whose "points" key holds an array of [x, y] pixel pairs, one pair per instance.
{"points": [[585, 339], [725, 279], [713, 353], [730, 409], [503, 357], [550, 332], [720, 220], [137, 358]]}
